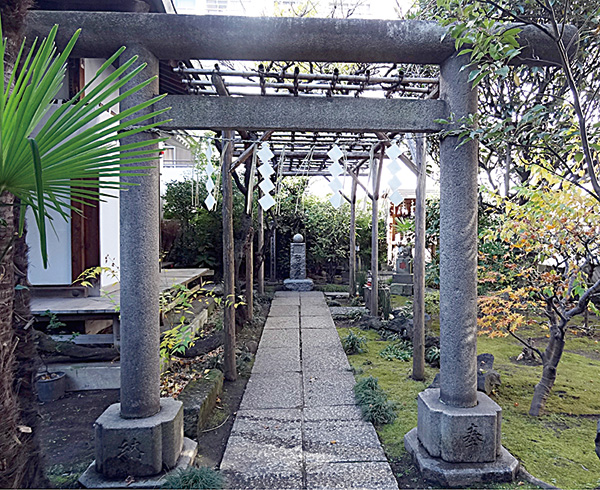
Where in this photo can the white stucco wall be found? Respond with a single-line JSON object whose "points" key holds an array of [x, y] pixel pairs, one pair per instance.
{"points": [[59, 239], [58, 233]]}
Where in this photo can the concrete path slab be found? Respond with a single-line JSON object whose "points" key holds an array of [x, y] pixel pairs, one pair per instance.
{"points": [[298, 425], [283, 310], [269, 361], [279, 322], [287, 294], [317, 322], [279, 338]]}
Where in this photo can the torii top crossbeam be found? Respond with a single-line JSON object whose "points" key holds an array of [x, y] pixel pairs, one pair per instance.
{"points": [[269, 38]]}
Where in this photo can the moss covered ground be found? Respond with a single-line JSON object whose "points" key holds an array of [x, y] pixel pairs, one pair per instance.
{"points": [[557, 447]]}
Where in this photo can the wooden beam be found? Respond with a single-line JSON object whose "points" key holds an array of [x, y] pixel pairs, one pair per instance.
{"points": [[255, 112], [230, 370], [407, 161], [357, 181]]}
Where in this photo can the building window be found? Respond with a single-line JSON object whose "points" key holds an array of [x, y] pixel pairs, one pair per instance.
{"points": [[216, 6]]}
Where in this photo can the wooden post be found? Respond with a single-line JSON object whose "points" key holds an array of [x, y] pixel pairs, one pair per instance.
{"points": [[352, 264], [228, 262], [273, 262], [375, 237], [261, 247], [507, 169], [250, 275], [419, 263]]}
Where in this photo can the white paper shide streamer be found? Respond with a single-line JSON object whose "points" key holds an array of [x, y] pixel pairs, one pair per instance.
{"points": [[210, 200], [266, 170], [335, 169], [393, 152]]}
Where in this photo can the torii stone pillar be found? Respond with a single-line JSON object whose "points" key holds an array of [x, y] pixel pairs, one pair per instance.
{"points": [[457, 440], [142, 435]]}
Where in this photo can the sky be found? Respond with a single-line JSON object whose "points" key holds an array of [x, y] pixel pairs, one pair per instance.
{"points": [[379, 9]]}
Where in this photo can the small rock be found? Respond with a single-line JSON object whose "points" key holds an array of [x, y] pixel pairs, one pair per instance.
{"points": [[488, 381], [252, 346], [485, 362]]}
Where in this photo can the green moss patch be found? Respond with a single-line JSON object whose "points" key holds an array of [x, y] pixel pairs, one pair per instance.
{"points": [[557, 448]]}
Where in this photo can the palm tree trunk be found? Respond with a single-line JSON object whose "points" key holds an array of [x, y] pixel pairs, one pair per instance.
{"points": [[551, 358], [10, 440], [27, 359]]}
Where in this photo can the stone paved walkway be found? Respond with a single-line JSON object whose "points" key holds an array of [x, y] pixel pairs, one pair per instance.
{"points": [[298, 425]]}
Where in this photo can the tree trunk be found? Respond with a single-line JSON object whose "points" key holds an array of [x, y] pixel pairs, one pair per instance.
{"points": [[11, 461], [551, 358], [28, 361]]}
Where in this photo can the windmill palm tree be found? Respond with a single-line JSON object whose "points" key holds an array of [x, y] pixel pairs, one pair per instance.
{"points": [[51, 156]]}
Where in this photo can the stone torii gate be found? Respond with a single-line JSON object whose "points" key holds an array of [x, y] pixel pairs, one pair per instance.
{"points": [[457, 441]]}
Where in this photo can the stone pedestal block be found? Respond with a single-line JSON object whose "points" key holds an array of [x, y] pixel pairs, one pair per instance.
{"points": [[139, 447], [459, 435], [463, 475], [299, 284]]}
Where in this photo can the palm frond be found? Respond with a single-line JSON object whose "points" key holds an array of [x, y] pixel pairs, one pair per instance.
{"points": [[44, 163]]}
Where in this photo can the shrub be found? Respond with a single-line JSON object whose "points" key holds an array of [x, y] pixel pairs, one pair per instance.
{"points": [[191, 477], [373, 401], [432, 303], [354, 344], [401, 351], [432, 356]]}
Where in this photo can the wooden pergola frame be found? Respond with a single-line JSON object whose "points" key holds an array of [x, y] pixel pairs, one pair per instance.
{"points": [[173, 37]]}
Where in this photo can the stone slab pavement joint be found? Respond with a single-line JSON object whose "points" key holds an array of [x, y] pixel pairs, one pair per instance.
{"points": [[298, 426], [287, 294], [285, 300], [277, 339], [315, 322], [273, 390]]}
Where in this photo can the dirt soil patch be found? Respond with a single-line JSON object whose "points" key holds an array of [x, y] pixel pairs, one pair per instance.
{"points": [[67, 427]]}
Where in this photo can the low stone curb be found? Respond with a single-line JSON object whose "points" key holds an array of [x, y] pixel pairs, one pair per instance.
{"points": [[199, 399]]}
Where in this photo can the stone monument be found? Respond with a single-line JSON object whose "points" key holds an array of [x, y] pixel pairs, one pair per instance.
{"points": [[298, 280], [402, 279]]}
